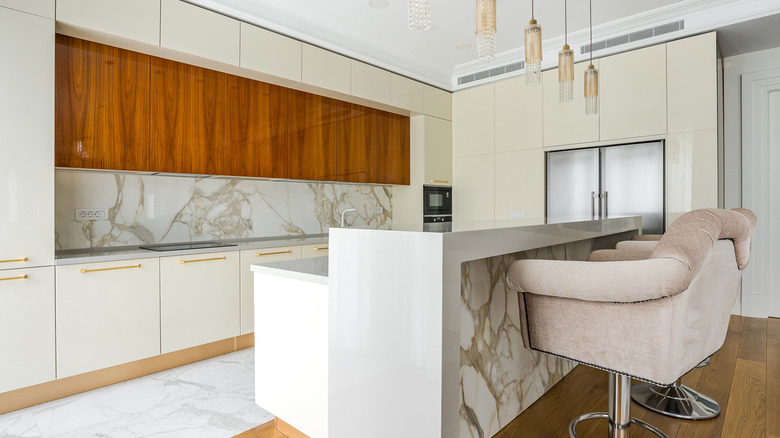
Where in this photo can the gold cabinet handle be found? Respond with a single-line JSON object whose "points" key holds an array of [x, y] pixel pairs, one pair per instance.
{"points": [[23, 259], [201, 260], [257, 254], [87, 271], [324, 248], [439, 181], [23, 277]]}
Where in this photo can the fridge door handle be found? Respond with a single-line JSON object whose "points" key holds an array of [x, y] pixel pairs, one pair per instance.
{"points": [[592, 205], [606, 204]]}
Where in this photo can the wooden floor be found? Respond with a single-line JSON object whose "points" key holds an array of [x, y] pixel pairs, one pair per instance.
{"points": [[744, 377]]}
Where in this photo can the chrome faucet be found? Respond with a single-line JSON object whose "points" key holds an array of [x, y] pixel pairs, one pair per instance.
{"points": [[342, 216]]}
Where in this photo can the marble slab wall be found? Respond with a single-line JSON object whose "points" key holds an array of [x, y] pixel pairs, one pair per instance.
{"points": [[500, 378], [148, 209]]}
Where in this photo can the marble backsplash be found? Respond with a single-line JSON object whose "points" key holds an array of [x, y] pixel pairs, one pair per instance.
{"points": [[148, 209]]}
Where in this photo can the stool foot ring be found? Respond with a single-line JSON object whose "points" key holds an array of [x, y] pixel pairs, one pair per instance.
{"points": [[597, 415]]}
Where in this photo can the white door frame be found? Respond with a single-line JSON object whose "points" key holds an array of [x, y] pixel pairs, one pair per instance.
{"points": [[761, 190]]}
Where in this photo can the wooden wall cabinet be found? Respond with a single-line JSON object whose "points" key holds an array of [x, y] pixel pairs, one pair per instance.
{"points": [[316, 126], [188, 119], [101, 106]]}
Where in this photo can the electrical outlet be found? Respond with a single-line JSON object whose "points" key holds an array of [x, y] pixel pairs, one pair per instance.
{"points": [[91, 214], [376, 210], [517, 215]]}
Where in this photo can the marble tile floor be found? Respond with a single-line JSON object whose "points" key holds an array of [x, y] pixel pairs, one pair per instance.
{"points": [[210, 398]]}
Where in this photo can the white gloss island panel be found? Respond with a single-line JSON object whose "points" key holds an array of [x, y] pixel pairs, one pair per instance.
{"points": [[150, 209]]}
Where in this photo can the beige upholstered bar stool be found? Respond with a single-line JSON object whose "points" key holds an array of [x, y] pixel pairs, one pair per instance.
{"points": [[676, 400], [652, 319]]}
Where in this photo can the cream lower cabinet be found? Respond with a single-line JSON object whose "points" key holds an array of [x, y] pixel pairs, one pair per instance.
{"points": [[254, 257], [317, 250], [107, 314], [199, 299], [27, 325], [519, 184]]}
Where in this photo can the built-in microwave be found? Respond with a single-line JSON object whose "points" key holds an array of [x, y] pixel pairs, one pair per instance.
{"points": [[437, 201]]}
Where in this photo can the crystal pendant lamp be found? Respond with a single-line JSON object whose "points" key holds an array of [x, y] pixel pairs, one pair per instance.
{"points": [[486, 29], [591, 77], [565, 64], [419, 15], [533, 51]]}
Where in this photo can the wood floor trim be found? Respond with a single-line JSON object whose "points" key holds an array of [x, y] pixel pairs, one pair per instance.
{"points": [[773, 378], [44, 392]]}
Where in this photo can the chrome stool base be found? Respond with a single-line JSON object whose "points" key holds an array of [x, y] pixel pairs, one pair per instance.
{"points": [[677, 401], [597, 415]]}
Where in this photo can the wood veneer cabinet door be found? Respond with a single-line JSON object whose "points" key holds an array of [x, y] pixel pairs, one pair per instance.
{"points": [[316, 126], [389, 137], [257, 129], [188, 118], [101, 106]]}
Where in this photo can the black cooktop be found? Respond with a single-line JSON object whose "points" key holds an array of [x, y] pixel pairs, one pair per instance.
{"points": [[183, 246]]}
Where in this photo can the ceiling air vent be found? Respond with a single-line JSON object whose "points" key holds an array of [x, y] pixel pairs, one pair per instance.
{"points": [[634, 36], [496, 71]]}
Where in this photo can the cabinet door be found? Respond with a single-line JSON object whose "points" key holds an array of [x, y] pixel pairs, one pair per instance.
{"points": [[271, 53], [317, 125], [188, 118], [692, 77], [407, 94], [473, 118], [566, 123], [192, 29], [316, 250], [107, 314], [27, 327], [437, 103], [199, 299], [325, 69], [257, 129], [102, 106], [138, 20], [26, 140], [438, 151], [473, 188], [519, 184], [518, 115], [255, 257], [370, 82], [632, 86]]}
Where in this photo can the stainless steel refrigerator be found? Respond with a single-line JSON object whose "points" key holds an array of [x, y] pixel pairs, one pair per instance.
{"points": [[608, 181]]}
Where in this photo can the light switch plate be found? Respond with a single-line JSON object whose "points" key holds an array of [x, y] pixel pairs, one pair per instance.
{"points": [[517, 215], [376, 210], [91, 214]]}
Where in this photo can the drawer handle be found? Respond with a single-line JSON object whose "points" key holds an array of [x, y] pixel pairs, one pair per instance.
{"points": [[87, 271], [439, 181], [257, 254], [23, 277], [23, 259], [324, 248], [201, 260]]}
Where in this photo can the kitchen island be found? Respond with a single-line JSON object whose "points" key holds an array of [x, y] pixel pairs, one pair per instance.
{"points": [[423, 336]]}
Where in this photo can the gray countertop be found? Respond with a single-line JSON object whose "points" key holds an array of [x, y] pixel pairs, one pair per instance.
{"points": [[107, 254]]}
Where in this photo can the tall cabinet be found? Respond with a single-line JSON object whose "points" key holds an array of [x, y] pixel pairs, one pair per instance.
{"points": [[27, 199]]}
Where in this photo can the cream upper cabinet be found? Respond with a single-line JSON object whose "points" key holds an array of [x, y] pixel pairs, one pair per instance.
{"points": [[107, 314], [255, 257], [199, 299], [26, 140], [137, 20], [407, 94], [44, 8], [199, 32], [270, 53], [692, 83], [519, 184], [370, 82], [325, 69], [632, 88], [473, 190], [316, 250], [566, 123], [27, 325], [438, 151], [437, 103], [518, 115], [473, 121]]}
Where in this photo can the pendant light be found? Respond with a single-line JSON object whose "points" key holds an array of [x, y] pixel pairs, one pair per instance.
{"points": [[486, 29], [533, 51], [591, 77], [565, 64], [419, 15]]}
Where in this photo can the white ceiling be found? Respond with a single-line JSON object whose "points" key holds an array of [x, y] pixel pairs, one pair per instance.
{"points": [[380, 36]]}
